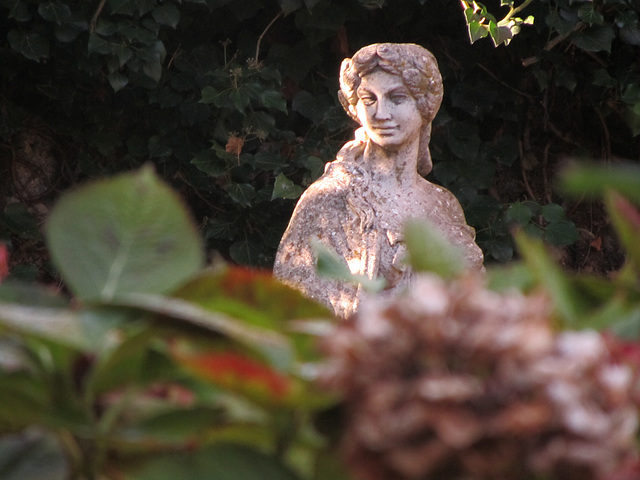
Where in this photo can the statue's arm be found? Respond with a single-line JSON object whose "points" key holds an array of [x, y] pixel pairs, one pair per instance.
{"points": [[318, 216]]}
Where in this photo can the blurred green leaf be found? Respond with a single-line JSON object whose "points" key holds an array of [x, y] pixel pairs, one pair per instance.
{"points": [[330, 265], [550, 276], [222, 462], [140, 238], [33, 455], [593, 180], [429, 251], [626, 220], [183, 315]]}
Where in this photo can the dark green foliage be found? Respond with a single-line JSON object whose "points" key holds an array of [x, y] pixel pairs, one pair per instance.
{"points": [[235, 103]]}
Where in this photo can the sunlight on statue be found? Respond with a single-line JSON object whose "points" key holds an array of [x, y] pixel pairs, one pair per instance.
{"points": [[358, 208]]}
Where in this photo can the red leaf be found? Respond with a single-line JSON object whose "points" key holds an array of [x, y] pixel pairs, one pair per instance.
{"points": [[4, 262], [238, 372]]}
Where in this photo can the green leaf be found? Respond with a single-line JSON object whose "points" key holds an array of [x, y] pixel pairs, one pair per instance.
{"points": [[17, 219], [245, 251], [208, 162], [330, 265], [157, 148], [32, 45], [626, 219], [553, 212], [595, 39], [519, 213], [240, 99], [97, 44], [242, 193], [181, 424], [124, 235], [123, 7], [429, 251], [477, 31], [33, 455], [269, 161], [561, 233], [289, 6], [57, 12], [182, 314], [222, 462], [118, 81], [59, 325], [285, 188], [549, 276], [273, 99], [18, 10], [119, 364], [589, 15], [501, 34], [166, 14], [595, 180], [222, 227]]}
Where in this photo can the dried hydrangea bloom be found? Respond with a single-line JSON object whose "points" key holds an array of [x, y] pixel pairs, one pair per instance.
{"points": [[453, 381]]}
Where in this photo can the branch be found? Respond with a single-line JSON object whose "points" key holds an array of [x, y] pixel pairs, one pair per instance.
{"points": [[264, 32], [94, 19]]}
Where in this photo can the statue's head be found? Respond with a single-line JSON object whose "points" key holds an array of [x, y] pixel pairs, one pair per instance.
{"points": [[419, 72]]}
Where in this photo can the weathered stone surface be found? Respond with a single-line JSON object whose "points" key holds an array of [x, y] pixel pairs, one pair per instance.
{"points": [[358, 208]]}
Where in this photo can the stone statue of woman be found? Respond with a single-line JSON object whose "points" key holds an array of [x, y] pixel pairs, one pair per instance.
{"points": [[358, 208]]}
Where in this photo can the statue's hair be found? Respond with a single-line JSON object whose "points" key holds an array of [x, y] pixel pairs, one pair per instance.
{"points": [[419, 72]]}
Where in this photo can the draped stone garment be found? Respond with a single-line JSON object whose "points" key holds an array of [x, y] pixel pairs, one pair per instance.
{"points": [[363, 224]]}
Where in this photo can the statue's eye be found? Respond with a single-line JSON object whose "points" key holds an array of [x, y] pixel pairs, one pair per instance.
{"points": [[368, 100], [398, 98]]}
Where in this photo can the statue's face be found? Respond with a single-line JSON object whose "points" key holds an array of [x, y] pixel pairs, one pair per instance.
{"points": [[387, 111]]}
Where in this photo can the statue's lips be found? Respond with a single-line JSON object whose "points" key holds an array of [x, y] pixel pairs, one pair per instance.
{"points": [[385, 129]]}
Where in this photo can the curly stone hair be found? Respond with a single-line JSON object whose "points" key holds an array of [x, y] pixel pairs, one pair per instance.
{"points": [[419, 72]]}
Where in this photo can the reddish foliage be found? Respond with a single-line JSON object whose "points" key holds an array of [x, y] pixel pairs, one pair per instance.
{"points": [[234, 370], [4, 262]]}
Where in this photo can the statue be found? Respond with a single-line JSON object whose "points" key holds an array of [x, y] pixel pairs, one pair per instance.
{"points": [[360, 204]]}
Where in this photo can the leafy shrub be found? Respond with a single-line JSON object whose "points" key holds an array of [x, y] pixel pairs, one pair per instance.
{"points": [[235, 104]]}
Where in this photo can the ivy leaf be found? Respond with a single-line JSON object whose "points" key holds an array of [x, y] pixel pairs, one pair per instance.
{"points": [[242, 193], [55, 12], [589, 15], [477, 31], [18, 10], [97, 44], [273, 99], [246, 252], [519, 213], [123, 7], [289, 6], [32, 45], [140, 238], [561, 233], [118, 81], [166, 14], [595, 39], [285, 188], [269, 161], [553, 212]]}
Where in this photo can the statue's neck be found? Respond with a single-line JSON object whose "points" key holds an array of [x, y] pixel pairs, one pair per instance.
{"points": [[391, 165]]}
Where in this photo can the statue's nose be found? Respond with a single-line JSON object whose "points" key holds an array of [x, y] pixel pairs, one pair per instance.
{"points": [[383, 110]]}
